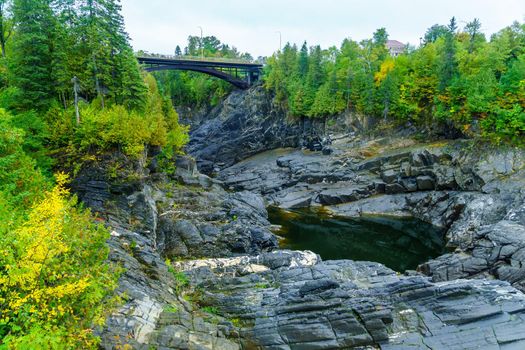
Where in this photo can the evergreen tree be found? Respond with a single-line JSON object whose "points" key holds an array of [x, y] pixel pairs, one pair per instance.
{"points": [[379, 40], [31, 62], [6, 24], [449, 66], [315, 75], [112, 68], [302, 66]]}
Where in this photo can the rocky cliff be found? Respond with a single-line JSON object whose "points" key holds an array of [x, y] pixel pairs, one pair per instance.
{"points": [[203, 269]]}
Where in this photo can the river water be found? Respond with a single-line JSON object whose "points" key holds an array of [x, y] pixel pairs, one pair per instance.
{"points": [[399, 243]]}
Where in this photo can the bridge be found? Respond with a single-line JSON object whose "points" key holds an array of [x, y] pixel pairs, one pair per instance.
{"points": [[239, 73]]}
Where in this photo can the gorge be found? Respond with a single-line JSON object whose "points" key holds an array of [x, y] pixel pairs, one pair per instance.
{"points": [[354, 193], [228, 285]]}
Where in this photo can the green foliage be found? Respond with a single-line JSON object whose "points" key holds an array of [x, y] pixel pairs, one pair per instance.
{"points": [[171, 308], [457, 77], [181, 279], [30, 64], [236, 322], [262, 285], [55, 279], [210, 310], [434, 33], [118, 126], [506, 124], [20, 181], [189, 89], [84, 38]]}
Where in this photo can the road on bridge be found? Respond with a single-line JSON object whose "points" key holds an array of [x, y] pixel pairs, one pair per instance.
{"points": [[241, 74]]}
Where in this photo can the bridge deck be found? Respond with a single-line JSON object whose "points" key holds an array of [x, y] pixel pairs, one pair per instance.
{"points": [[199, 62], [241, 74]]}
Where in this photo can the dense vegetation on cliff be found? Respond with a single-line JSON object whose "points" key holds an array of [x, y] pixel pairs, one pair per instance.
{"points": [[456, 77], [54, 278]]}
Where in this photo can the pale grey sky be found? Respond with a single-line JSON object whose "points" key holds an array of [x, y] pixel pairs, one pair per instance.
{"points": [[251, 25]]}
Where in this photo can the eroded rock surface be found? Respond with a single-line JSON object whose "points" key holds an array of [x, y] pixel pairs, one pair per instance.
{"points": [[292, 300], [154, 217], [228, 287], [478, 198], [244, 124]]}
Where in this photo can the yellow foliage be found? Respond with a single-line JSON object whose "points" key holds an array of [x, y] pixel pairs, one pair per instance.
{"points": [[132, 130], [386, 67], [55, 277]]}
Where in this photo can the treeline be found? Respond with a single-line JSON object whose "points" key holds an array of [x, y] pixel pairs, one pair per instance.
{"points": [[190, 89], [70, 87], [54, 48], [456, 77]]}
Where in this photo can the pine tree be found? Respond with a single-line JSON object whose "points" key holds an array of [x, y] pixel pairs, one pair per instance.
{"points": [[31, 62], [302, 65], [112, 68], [315, 74], [449, 66]]}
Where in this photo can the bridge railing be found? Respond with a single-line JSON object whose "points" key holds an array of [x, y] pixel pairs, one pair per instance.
{"points": [[197, 58]]}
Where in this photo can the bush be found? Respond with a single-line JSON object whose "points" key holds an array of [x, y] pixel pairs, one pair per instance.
{"points": [[20, 181], [117, 126], [506, 125], [54, 279]]}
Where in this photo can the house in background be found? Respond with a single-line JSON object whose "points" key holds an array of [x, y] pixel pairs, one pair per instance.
{"points": [[395, 47]]}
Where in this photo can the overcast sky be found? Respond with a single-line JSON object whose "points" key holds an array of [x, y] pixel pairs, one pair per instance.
{"points": [[252, 25]]}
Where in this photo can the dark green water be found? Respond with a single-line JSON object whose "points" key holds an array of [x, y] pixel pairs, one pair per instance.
{"points": [[400, 244]]}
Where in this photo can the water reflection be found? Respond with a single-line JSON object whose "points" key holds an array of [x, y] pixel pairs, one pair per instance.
{"points": [[398, 243]]}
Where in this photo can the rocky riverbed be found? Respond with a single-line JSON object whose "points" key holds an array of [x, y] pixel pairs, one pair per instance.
{"points": [[477, 197], [203, 269]]}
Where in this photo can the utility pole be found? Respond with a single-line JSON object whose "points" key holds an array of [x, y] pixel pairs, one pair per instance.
{"points": [[76, 89], [280, 40], [202, 44]]}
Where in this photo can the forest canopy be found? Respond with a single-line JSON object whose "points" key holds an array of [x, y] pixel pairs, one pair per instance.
{"points": [[456, 76]]}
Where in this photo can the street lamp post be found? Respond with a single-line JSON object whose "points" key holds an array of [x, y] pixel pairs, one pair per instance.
{"points": [[202, 44], [280, 40]]}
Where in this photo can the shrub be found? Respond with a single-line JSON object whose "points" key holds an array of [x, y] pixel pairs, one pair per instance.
{"points": [[54, 279]]}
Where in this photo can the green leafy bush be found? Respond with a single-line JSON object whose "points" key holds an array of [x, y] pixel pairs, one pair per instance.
{"points": [[54, 280]]}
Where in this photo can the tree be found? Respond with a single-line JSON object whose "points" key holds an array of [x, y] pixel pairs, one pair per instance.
{"points": [[449, 66], [6, 24], [434, 33], [473, 30], [386, 83], [31, 62], [54, 289], [380, 37], [379, 41], [315, 75], [111, 66], [302, 65], [178, 51]]}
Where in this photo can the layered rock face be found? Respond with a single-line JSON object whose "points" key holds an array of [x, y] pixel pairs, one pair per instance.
{"points": [[154, 217], [293, 300], [477, 197], [245, 124], [228, 286], [249, 298]]}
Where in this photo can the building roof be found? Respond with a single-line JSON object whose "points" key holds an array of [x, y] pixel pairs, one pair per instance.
{"points": [[395, 44]]}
